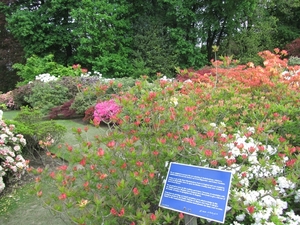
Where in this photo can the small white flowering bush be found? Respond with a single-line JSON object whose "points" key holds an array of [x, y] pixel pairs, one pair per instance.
{"points": [[12, 163], [46, 77]]}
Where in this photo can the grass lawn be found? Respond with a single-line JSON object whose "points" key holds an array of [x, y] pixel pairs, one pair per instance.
{"points": [[9, 115]]}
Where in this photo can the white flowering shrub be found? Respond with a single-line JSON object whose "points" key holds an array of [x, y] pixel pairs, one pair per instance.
{"points": [[46, 77], [266, 187], [12, 163]]}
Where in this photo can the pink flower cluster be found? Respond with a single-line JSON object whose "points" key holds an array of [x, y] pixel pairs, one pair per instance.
{"points": [[105, 110]]}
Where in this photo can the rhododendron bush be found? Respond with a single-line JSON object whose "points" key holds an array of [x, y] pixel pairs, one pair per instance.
{"points": [[238, 125], [12, 163]]}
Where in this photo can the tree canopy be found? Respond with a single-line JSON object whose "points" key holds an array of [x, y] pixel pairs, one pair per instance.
{"points": [[122, 38]]}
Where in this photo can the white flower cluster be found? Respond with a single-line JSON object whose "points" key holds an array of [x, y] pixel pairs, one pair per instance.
{"points": [[263, 201], [89, 74], [265, 204], [11, 160], [167, 79], [46, 77]]}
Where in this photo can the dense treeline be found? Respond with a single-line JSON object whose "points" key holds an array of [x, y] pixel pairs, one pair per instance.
{"points": [[122, 38]]}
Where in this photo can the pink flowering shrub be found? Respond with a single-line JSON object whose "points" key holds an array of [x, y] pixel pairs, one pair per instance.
{"points": [[7, 100], [104, 111], [12, 163]]}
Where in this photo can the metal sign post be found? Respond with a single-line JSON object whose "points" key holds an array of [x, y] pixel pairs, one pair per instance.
{"points": [[190, 220]]}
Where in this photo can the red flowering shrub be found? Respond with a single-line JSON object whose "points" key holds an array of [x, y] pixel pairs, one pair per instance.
{"points": [[201, 75], [89, 114], [63, 111], [293, 48]]}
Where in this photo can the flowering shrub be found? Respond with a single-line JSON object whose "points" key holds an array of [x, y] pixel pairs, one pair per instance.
{"points": [[198, 75], [7, 100], [91, 91], [45, 77], [104, 111], [64, 110], [293, 48], [12, 163], [117, 177], [20, 94]]}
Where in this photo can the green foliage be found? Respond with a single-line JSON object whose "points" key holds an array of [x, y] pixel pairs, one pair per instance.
{"points": [[294, 61], [44, 27], [287, 13], [104, 37], [36, 65], [250, 40], [45, 96], [31, 124], [3, 106], [153, 51]]}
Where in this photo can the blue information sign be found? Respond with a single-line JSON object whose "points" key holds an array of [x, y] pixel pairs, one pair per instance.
{"points": [[197, 191]]}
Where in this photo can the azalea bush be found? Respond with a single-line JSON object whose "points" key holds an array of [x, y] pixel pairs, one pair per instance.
{"points": [[234, 124], [12, 163], [7, 101], [90, 92], [105, 111]]}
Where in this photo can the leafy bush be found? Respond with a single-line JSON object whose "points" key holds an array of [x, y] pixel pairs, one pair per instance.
{"points": [[20, 95], [36, 66], [91, 91], [12, 163], [45, 96], [31, 124], [294, 60], [293, 48], [71, 84], [63, 111]]}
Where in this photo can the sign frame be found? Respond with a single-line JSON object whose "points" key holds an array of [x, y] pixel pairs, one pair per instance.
{"points": [[197, 191]]}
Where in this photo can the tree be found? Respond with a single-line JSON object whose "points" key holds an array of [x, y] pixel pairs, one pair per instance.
{"points": [[10, 52], [153, 49], [44, 27], [288, 23], [222, 19], [258, 32], [104, 35]]}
